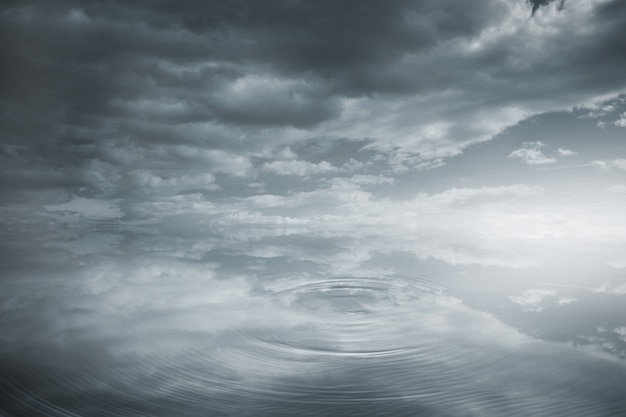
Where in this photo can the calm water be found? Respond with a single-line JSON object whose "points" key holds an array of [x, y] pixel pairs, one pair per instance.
{"points": [[281, 344]]}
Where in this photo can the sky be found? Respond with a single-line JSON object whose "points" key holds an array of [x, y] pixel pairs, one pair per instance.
{"points": [[283, 194]]}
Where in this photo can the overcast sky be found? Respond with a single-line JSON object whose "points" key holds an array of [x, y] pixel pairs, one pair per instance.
{"points": [[479, 143], [442, 128]]}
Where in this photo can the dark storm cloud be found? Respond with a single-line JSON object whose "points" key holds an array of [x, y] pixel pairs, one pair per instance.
{"points": [[96, 90], [536, 4], [591, 63], [85, 56]]}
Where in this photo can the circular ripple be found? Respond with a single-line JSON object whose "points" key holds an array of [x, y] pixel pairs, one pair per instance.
{"points": [[351, 316]]}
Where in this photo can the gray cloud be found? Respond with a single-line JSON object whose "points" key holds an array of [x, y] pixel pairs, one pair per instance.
{"points": [[247, 77]]}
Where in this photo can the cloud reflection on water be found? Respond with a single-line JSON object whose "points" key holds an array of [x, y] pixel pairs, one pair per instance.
{"points": [[265, 344]]}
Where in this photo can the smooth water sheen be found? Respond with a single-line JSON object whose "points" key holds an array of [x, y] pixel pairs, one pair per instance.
{"points": [[335, 346]]}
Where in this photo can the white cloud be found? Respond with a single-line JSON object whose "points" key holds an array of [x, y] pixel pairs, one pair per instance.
{"points": [[175, 205], [354, 165], [599, 110], [621, 122], [603, 165], [102, 176], [618, 288], [299, 168], [619, 331], [88, 208], [606, 165], [567, 152], [146, 178], [566, 300], [432, 164], [531, 154], [620, 163], [531, 299]]}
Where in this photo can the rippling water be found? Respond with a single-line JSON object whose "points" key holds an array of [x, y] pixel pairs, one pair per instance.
{"points": [[310, 346]]}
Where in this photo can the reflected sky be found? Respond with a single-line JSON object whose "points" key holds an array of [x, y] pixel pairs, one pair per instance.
{"points": [[300, 208]]}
